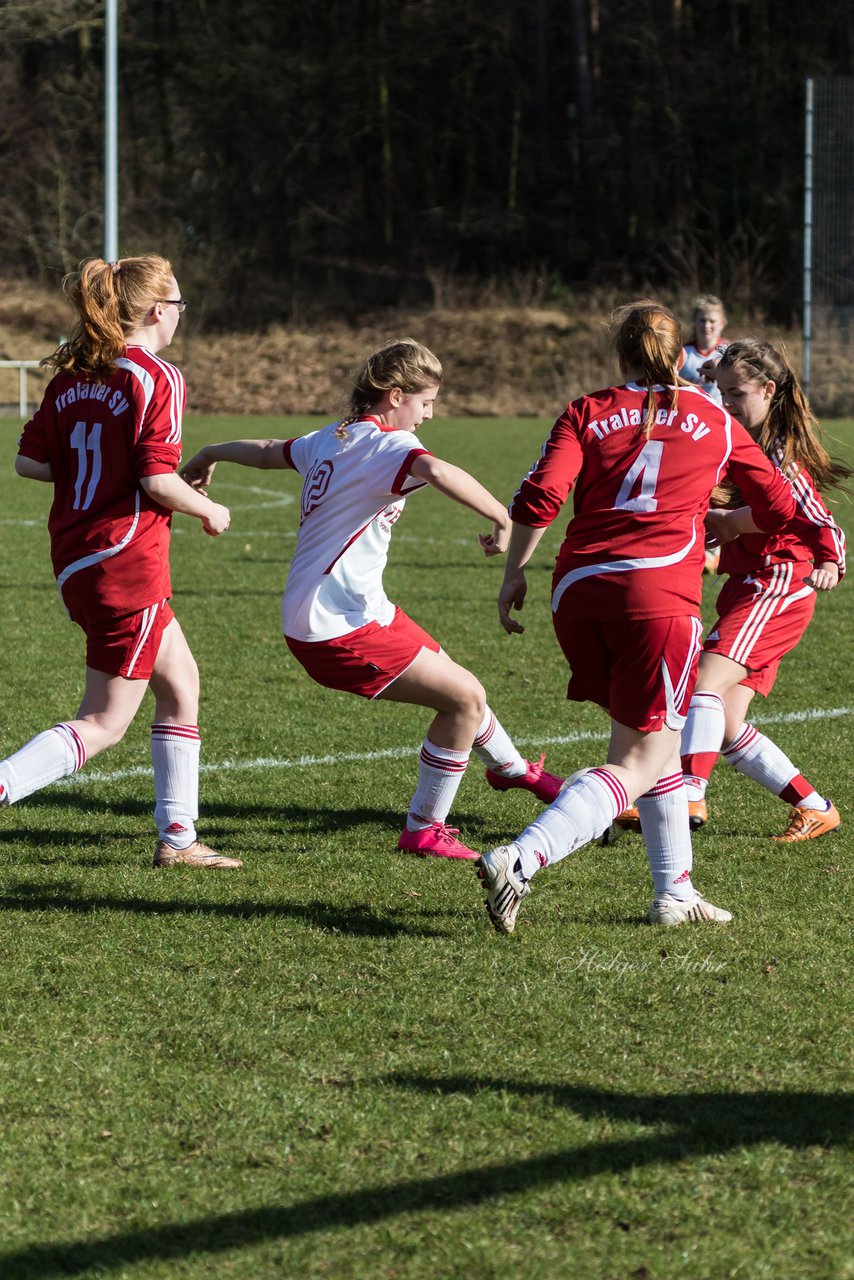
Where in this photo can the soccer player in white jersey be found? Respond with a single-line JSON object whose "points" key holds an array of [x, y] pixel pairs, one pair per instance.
{"points": [[700, 356], [108, 438], [698, 361], [769, 598], [642, 458], [336, 618]]}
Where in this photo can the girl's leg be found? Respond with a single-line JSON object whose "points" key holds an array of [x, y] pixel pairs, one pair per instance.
{"points": [[109, 705], [757, 757], [718, 684], [434, 680], [175, 741], [175, 749]]}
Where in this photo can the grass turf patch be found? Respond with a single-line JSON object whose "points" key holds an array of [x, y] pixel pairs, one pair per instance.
{"points": [[326, 1064]]}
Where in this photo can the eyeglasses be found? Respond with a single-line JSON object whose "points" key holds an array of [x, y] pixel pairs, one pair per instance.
{"points": [[180, 303]]}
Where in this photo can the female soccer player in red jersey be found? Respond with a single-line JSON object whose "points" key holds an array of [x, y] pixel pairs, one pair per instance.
{"points": [[337, 620], [765, 607], [643, 458], [108, 438]]}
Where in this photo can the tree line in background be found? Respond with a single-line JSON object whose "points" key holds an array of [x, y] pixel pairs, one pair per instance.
{"points": [[295, 155]]}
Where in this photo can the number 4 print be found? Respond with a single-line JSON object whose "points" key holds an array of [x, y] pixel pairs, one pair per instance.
{"points": [[644, 468], [86, 445]]}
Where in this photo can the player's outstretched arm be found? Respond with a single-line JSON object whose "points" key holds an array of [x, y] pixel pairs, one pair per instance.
{"points": [[172, 493], [266, 455], [459, 485]]}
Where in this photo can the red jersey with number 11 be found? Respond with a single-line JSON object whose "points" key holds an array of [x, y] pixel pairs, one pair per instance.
{"points": [[109, 540], [634, 547]]}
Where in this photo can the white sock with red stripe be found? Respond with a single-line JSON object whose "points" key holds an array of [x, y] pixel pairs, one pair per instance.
{"points": [[757, 757], [701, 741], [175, 750], [440, 772], [46, 758], [580, 814], [667, 836], [494, 748]]}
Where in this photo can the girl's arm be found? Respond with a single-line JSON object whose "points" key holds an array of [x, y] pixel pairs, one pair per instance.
{"points": [[463, 488], [32, 470], [267, 455], [524, 540], [172, 493]]}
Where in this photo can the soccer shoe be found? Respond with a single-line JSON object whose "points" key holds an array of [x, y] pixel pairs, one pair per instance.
{"points": [[698, 814], [809, 824], [629, 819], [196, 855], [713, 559], [667, 910], [545, 786], [436, 841], [500, 871]]}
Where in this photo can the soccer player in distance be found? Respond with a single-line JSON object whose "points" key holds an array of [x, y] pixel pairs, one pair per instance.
{"points": [[643, 458], [108, 438], [699, 359], [769, 598], [336, 618]]}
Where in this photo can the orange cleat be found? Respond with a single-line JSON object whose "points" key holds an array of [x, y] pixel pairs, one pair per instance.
{"points": [[809, 824], [698, 814]]}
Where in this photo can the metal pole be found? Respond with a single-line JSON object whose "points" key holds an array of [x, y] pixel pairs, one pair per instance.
{"points": [[808, 142], [111, 147], [22, 392]]}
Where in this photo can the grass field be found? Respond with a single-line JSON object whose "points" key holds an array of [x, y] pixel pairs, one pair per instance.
{"points": [[327, 1064]]}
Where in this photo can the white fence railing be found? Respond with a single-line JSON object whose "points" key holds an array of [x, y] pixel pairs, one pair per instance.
{"points": [[22, 366]]}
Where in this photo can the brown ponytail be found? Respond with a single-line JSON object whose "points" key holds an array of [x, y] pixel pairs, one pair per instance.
{"points": [[647, 337], [111, 299]]}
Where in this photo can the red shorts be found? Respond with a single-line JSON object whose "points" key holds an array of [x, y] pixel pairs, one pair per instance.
{"points": [[760, 618], [367, 660], [641, 670], [127, 646]]}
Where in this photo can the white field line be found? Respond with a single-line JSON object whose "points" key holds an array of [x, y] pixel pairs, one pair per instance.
{"points": [[400, 753]]}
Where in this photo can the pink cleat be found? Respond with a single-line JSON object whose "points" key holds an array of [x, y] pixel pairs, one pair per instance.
{"points": [[436, 841], [545, 786]]}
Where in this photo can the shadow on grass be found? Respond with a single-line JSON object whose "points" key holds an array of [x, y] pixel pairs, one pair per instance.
{"points": [[284, 818], [680, 1126], [359, 920]]}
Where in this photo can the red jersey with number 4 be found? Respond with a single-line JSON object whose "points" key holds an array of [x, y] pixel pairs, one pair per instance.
{"points": [[109, 540], [634, 547]]}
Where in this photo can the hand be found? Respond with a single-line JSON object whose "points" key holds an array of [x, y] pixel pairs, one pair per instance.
{"points": [[495, 543], [198, 472], [217, 520], [709, 369], [824, 577], [512, 596], [720, 526]]}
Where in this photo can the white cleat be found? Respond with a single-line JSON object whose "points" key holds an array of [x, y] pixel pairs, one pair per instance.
{"points": [[500, 870], [667, 910]]}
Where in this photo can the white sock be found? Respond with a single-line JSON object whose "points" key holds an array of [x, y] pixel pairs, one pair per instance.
{"points": [[757, 757], [175, 750], [494, 748], [701, 741], [667, 836], [46, 758], [440, 772], [579, 814]]}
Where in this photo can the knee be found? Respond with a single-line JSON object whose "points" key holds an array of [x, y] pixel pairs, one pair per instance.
{"points": [[473, 701]]}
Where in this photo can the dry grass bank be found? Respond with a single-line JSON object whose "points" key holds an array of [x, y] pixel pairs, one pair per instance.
{"points": [[507, 361]]}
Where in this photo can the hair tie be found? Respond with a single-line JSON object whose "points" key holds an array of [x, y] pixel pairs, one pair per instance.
{"points": [[115, 267]]}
